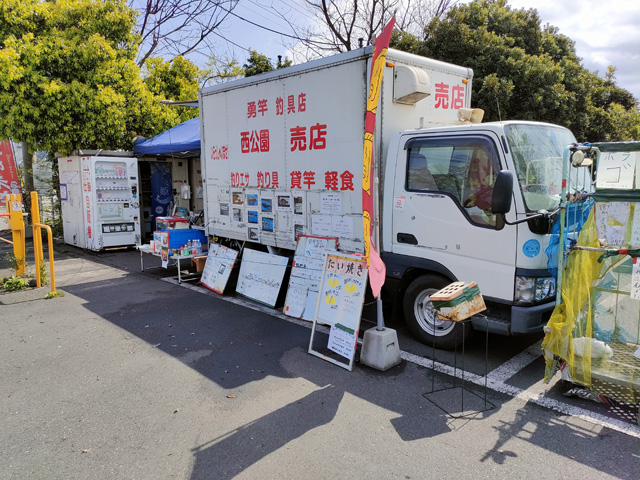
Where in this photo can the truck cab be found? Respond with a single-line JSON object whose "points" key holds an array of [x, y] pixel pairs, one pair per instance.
{"points": [[439, 224]]}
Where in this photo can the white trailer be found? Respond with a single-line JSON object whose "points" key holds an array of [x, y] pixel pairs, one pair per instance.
{"points": [[282, 155]]}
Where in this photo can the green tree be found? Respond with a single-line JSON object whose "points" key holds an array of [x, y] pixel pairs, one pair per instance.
{"points": [[174, 80], [258, 63], [68, 77], [221, 70], [523, 70]]}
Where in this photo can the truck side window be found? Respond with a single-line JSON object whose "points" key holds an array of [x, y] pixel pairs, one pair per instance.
{"points": [[419, 176], [477, 189], [464, 168]]}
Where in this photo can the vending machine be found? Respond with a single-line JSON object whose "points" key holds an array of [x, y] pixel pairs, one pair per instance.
{"points": [[100, 200]]}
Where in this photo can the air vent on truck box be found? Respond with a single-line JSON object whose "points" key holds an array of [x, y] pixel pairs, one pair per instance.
{"points": [[411, 84]]}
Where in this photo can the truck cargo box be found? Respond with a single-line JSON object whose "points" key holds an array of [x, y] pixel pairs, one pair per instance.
{"points": [[283, 152]]}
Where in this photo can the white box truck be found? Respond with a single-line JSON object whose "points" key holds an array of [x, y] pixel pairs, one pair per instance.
{"points": [[282, 155]]}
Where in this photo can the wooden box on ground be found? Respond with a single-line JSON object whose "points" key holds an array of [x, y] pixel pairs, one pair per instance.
{"points": [[199, 263], [458, 301]]}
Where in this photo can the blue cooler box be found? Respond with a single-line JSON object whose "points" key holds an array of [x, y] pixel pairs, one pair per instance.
{"points": [[181, 236]]}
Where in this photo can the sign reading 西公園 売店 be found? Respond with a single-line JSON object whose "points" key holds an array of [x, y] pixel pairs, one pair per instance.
{"points": [[339, 305]]}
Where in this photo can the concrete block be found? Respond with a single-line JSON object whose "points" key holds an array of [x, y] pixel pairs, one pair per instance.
{"points": [[380, 349]]}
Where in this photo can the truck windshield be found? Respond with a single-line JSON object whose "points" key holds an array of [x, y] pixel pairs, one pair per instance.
{"points": [[537, 154]]}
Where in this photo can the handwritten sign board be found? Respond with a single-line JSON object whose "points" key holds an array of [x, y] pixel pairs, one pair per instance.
{"points": [[616, 170], [342, 340], [261, 276], [306, 273], [339, 305], [635, 226], [635, 280], [217, 269], [612, 222]]}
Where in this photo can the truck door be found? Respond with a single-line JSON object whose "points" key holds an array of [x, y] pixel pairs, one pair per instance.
{"points": [[442, 210]]}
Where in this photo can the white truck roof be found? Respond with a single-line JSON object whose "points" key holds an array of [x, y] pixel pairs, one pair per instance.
{"points": [[361, 53]]}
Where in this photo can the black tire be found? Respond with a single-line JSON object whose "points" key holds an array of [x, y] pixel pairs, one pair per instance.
{"points": [[421, 317]]}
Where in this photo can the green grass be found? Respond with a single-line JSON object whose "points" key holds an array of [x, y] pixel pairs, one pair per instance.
{"points": [[13, 284]]}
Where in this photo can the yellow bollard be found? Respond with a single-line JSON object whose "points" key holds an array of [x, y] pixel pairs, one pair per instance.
{"points": [[52, 271], [16, 224], [37, 236], [37, 242]]}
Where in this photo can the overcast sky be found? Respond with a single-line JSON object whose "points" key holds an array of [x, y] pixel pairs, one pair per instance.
{"points": [[606, 32]]}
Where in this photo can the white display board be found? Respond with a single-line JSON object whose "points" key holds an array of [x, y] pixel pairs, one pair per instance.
{"points": [[634, 237], [616, 170], [261, 276], [339, 305], [635, 280], [217, 269], [612, 222], [306, 273]]}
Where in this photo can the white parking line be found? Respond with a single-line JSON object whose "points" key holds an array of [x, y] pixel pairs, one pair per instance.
{"points": [[509, 368], [495, 380], [527, 396]]}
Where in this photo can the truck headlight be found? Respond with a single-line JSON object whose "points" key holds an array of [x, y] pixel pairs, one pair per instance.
{"points": [[534, 289]]}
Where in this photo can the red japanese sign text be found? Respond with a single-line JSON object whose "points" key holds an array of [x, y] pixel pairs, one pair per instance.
{"points": [[9, 181]]}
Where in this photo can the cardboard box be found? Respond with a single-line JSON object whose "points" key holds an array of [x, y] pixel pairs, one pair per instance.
{"points": [[199, 263]]}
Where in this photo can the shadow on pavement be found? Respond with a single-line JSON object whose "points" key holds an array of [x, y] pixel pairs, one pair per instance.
{"points": [[234, 347]]}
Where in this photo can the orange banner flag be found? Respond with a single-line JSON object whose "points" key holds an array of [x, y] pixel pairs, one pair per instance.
{"points": [[377, 270]]}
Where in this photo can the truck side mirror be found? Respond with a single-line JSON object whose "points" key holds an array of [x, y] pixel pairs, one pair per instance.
{"points": [[502, 193], [502, 196]]}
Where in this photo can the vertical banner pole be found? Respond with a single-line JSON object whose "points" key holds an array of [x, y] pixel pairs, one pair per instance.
{"points": [[380, 348], [377, 271]]}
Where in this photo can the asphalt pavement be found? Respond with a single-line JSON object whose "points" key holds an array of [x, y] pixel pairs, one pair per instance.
{"points": [[129, 375]]}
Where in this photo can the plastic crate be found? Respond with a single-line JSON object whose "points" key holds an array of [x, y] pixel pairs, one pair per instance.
{"points": [[458, 301]]}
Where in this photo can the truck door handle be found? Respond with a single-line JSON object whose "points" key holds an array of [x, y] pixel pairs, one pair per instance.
{"points": [[407, 238]]}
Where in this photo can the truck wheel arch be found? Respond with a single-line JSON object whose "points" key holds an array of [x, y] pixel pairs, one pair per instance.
{"points": [[405, 269], [411, 273], [421, 318]]}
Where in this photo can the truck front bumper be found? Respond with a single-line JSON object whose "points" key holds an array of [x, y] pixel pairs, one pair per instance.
{"points": [[514, 320], [530, 319]]}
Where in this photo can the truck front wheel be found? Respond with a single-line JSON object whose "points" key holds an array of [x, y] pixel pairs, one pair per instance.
{"points": [[421, 317]]}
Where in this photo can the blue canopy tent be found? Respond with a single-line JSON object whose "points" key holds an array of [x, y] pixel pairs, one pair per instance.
{"points": [[159, 190], [181, 141]]}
